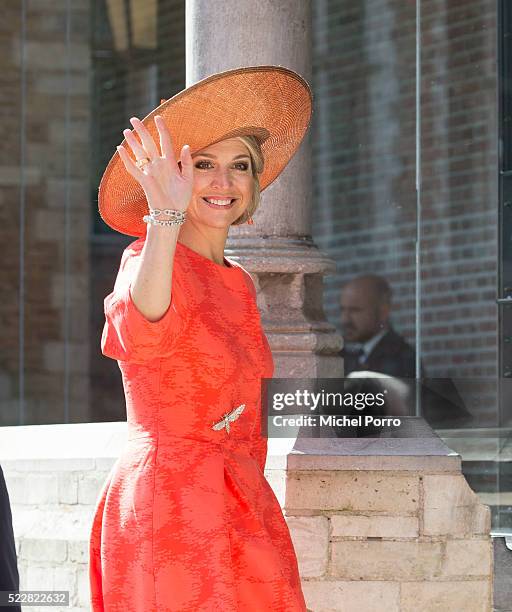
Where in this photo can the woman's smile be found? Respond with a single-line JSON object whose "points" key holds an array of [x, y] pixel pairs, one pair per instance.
{"points": [[218, 203]]}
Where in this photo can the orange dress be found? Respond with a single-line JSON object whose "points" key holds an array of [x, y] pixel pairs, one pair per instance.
{"points": [[186, 521]]}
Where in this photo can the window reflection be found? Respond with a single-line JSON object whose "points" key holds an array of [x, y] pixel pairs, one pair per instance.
{"points": [[413, 191], [406, 191]]}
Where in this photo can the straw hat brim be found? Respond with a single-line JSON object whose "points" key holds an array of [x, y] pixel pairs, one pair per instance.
{"points": [[272, 103]]}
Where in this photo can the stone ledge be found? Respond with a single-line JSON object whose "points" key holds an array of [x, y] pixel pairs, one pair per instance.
{"points": [[86, 446], [398, 454], [96, 445], [62, 441]]}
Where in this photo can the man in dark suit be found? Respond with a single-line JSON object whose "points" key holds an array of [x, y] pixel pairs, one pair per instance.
{"points": [[9, 577], [371, 344]]}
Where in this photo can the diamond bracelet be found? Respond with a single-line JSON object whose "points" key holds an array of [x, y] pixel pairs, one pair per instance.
{"points": [[178, 217]]}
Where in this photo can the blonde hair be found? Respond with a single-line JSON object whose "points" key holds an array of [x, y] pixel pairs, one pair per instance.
{"points": [[257, 164]]}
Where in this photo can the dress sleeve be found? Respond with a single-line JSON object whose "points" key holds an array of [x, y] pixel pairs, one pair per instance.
{"points": [[127, 334]]}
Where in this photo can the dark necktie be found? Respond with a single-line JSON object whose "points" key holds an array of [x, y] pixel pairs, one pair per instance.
{"points": [[360, 355], [355, 354]]}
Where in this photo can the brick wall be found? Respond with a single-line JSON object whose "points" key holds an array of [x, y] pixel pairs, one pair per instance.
{"points": [[364, 207]]}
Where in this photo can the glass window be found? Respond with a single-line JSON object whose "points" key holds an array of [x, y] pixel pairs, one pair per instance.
{"points": [[406, 146], [412, 199]]}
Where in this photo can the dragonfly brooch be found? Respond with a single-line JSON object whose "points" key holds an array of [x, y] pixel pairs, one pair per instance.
{"points": [[229, 417]]}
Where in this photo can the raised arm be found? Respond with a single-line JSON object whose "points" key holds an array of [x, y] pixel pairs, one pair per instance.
{"points": [[166, 185], [143, 315]]}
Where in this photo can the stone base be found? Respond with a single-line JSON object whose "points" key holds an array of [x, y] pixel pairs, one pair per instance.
{"points": [[387, 524], [377, 524]]}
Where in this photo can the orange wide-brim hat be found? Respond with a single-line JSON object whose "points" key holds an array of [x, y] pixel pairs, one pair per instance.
{"points": [[272, 103]]}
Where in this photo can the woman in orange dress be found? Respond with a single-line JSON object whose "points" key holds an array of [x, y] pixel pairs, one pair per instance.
{"points": [[186, 521]]}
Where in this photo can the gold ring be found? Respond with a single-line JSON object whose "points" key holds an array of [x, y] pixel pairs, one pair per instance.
{"points": [[142, 162]]}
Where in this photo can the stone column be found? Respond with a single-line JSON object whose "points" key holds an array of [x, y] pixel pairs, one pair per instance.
{"points": [[277, 250]]}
